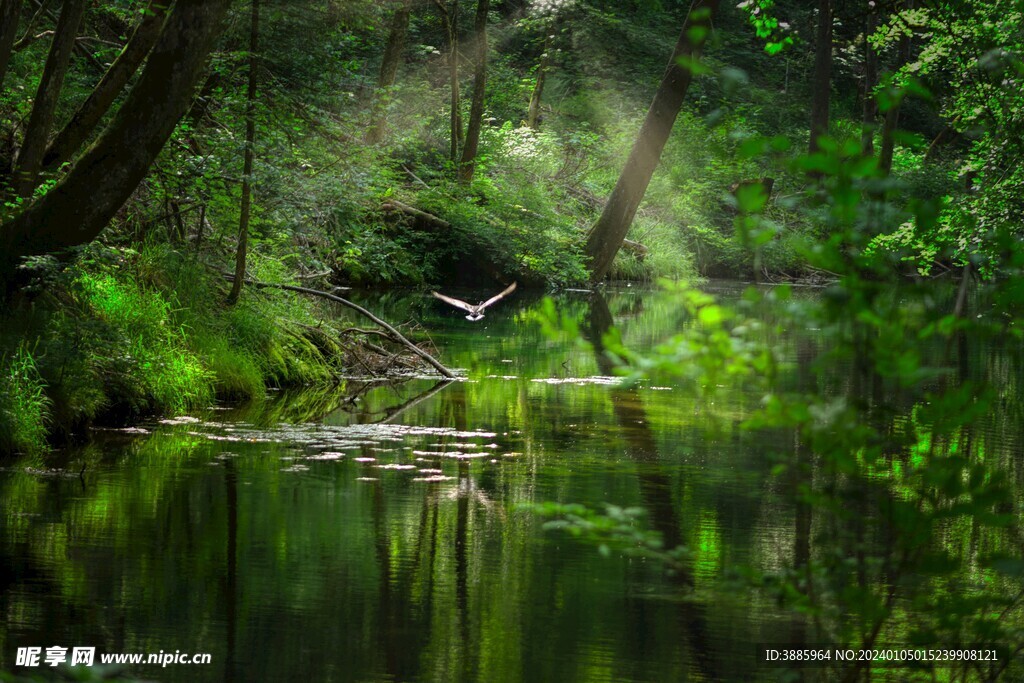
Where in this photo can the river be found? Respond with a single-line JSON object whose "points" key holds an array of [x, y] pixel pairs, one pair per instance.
{"points": [[383, 533]]}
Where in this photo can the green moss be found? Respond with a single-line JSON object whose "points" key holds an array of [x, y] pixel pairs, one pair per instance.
{"points": [[124, 334]]}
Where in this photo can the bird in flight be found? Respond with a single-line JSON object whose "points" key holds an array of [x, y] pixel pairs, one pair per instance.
{"points": [[475, 312]]}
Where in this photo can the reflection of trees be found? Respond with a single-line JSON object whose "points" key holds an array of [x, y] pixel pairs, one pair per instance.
{"points": [[231, 575], [655, 484]]}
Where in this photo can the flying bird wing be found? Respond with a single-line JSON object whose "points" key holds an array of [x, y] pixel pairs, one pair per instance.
{"points": [[454, 302], [497, 297]]}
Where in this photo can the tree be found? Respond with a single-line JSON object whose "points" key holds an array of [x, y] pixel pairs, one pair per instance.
{"points": [[450, 19], [533, 112], [476, 109], [822, 79], [83, 202], [545, 17], [30, 158], [607, 235], [389, 68], [250, 139], [892, 113], [10, 12], [88, 115], [870, 81]]}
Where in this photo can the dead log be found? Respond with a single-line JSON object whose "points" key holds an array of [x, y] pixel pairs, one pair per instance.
{"points": [[396, 206], [635, 248]]}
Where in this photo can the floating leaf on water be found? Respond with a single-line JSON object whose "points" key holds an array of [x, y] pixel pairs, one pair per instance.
{"points": [[182, 420], [329, 455]]}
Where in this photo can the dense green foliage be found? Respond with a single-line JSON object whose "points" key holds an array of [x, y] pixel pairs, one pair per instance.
{"points": [[906, 526], [322, 193], [884, 464], [130, 333]]}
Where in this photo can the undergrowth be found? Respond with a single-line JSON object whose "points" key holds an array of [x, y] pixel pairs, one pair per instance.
{"points": [[123, 334]]}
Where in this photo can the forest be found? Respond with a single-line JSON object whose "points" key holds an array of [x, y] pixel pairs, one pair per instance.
{"points": [[743, 392]]}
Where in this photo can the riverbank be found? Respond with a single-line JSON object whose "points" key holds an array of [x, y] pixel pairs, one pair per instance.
{"points": [[124, 334]]}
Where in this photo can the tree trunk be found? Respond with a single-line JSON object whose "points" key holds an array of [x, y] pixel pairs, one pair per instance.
{"points": [[250, 139], [533, 113], [88, 116], [450, 18], [822, 84], [10, 12], [607, 234], [870, 81], [389, 69], [99, 183], [892, 114], [30, 159], [476, 110]]}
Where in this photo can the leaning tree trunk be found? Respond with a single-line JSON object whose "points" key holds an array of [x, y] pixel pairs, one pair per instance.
{"points": [[10, 12], [30, 158], [83, 202], [822, 85], [476, 110], [389, 69], [870, 81], [250, 139], [606, 236], [88, 116], [892, 114], [533, 113]]}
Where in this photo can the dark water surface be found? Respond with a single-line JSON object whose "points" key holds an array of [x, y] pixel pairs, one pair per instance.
{"points": [[381, 539]]}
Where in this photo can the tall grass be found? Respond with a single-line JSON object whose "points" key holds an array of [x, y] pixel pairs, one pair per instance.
{"points": [[24, 406]]}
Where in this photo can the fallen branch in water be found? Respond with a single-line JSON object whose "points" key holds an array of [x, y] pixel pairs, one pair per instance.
{"points": [[436, 364]]}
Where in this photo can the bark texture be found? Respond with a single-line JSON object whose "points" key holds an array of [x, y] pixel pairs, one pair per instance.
{"points": [[822, 75], [88, 116], [606, 236], [79, 207], [476, 110], [30, 158]]}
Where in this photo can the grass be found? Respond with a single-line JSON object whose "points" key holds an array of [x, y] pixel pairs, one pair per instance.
{"points": [[24, 406], [123, 334]]}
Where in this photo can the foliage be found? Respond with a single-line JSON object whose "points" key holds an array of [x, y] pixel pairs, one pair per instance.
{"points": [[880, 496], [24, 406], [124, 333]]}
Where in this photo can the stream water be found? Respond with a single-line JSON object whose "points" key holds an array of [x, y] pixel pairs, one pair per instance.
{"points": [[311, 537]]}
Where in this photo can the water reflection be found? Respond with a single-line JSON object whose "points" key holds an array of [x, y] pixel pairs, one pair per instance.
{"points": [[655, 485], [370, 533]]}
